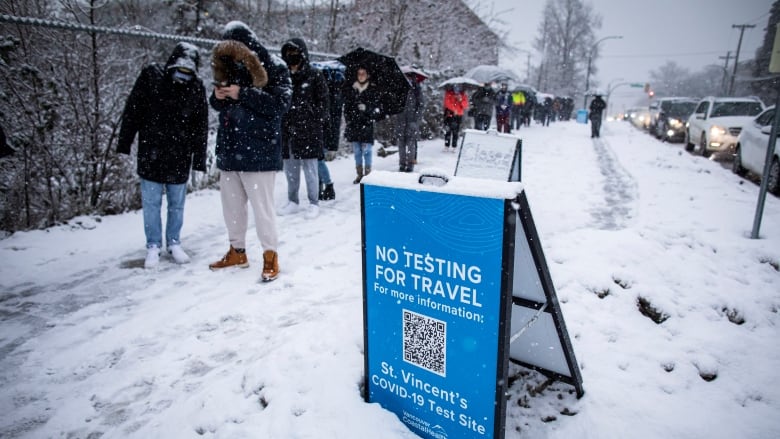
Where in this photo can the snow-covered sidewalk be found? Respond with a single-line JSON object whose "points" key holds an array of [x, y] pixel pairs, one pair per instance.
{"points": [[672, 310]]}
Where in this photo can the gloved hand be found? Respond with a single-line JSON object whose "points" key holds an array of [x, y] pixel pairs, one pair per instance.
{"points": [[362, 107], [330, 156]]}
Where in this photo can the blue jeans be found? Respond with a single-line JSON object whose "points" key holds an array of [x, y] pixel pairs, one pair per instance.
{"points": [[324, 173], [151, 200], [362, 154], [292, 170]]}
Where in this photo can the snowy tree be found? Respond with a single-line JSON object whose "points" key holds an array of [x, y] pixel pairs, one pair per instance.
{"points": [[766, 87], [566, 37], [670, 80]]}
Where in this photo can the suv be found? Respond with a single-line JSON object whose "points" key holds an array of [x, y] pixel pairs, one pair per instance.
{"points": [[669, 122], [716, 123], [751, 150]]}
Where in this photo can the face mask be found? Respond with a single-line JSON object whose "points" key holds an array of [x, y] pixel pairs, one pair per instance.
{"points": [[179, 76], [293, 59]]}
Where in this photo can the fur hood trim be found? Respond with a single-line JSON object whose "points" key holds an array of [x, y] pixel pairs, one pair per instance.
{"points": [[228, 55]]}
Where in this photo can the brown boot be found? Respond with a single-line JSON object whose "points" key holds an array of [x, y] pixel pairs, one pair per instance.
{"points": [[270, 265], [367, 171], [359, 175], [232, 259]]}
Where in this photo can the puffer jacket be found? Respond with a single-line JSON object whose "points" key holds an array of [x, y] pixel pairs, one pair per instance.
{"points": [[307, 121], [249, 136], [170, 118], [483, 100]]}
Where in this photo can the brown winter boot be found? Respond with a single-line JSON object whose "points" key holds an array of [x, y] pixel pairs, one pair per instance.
{"points": [[367, 171], [233, 258], [359, 175], [270, 265]]}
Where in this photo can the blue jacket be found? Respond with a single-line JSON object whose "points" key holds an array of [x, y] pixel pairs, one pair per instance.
{"points": [[249, 136]]}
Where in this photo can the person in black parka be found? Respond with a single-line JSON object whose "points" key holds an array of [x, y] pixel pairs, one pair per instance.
{"points": [[361, 109], [304, 128], [167, 109], [596, 108]]}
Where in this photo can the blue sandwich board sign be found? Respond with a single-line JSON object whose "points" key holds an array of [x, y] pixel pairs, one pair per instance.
{"points": [[437, 298], [454, 287]]}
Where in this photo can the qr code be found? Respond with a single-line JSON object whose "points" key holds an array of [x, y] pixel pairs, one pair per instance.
{"points": [[425, 342]]}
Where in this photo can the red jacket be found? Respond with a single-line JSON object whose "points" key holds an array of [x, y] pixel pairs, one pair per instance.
{"points": [[455, 102]]}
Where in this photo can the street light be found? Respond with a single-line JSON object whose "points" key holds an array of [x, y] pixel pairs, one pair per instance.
{"points": [[609, 91], [590, 60]]}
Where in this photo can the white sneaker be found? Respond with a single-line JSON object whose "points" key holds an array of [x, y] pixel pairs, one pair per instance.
{"points": [[152, 257], [288, 209], [179, 256], [313, 211]]}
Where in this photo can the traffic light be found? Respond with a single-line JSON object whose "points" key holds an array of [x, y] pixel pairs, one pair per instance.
{"points": [[647, 87], [651, 93]]}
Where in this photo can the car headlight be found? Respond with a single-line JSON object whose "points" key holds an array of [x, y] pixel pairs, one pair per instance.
{"points": [[716, 131], [675, 123]]}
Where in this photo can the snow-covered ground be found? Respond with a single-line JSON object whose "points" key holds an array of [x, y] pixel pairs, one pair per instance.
{"points": [[92, 345]]}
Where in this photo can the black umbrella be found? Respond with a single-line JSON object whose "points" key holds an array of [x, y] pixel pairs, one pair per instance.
{"points": [[384, 72]]}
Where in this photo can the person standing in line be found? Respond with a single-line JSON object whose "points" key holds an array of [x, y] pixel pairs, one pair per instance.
{"points": [[167, 109], [303, 128], [334, 77], [503, 109], [409, 125], [547, 111], [456, 101], [518, 101], [252, 93], [483, 101], [596, 108], [361, 109]]}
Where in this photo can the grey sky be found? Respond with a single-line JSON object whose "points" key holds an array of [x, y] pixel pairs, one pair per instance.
{"points": [[692, 33]]}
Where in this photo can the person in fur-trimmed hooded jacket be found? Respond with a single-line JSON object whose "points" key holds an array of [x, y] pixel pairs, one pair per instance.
{"points": [[167, 109], [252, 93]]}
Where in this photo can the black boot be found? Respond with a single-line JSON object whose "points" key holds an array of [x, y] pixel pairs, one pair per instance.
{"points": [[328, 193]]}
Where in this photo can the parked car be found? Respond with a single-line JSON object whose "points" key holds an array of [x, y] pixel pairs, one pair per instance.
{"points": [[638, 116], [669, 122], [717, 121], [751, 150]]}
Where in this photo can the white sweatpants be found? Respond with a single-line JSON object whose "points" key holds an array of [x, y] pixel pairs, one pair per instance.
{"points": [[236, 188]]}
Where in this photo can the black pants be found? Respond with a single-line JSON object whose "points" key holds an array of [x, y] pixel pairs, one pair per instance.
{"points": [[595, 126], [452, 130], [482, 121]]}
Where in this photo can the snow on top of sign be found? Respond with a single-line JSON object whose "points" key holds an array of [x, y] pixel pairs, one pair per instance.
{"points": [[490, 132], [438, 180]]}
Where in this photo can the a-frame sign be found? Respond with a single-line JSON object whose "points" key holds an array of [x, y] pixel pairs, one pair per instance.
{"points": [[450, 272]]}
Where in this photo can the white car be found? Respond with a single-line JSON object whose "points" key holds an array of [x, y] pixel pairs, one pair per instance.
{"points": [[716, 123], [751, 150]]}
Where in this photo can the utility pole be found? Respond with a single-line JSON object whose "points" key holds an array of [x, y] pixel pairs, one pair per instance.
{"points": [[725, 72], [741, 28]]}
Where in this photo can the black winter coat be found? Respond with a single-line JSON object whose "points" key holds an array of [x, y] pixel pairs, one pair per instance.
{"points": [[483, 101], [307, 122], [249, 136], [171, 120], [597, 106], [360, 123]]}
